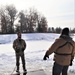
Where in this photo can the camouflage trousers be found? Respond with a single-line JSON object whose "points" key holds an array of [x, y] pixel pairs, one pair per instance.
{"points": [[18, 55]]}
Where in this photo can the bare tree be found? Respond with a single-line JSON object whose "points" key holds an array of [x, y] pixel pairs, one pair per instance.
{"points": [[43, 24], [23, 21], [58, 30], [4, 20], [33, 19], [11, 10]]}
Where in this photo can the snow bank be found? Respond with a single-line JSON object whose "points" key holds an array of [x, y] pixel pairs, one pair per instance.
{"points": [[28, 37]]}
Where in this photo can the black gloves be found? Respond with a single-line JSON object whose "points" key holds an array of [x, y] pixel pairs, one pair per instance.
{"points": [[71, 61], [45, 57], [17, 51]]}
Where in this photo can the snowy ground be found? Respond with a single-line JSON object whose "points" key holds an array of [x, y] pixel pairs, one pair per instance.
{"points": [[37, 45]]}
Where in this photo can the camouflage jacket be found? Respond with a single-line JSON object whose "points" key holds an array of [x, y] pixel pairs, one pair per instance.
{"points": [[19, 46]]}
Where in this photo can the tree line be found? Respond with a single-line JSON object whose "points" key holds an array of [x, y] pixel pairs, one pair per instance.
{"points": [[26, 21], [58, 30]]}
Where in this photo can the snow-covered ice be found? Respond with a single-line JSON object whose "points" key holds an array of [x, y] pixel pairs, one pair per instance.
{"points": [[37, 45]]}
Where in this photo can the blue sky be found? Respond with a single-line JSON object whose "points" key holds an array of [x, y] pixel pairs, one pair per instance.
{"points": [[59, 13]]}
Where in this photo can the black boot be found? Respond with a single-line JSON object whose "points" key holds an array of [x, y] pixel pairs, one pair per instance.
{"points": [[17, 70], [24, 69]]}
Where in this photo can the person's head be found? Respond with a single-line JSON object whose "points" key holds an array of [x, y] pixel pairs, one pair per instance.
{"points": [[65, 31], [19, 35]]}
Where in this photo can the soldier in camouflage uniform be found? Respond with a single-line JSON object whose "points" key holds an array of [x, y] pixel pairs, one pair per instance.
{"points": [[19, 46]]}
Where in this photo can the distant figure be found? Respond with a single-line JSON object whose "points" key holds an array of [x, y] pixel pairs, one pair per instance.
{"points": [[19, 46], [64, 50]]}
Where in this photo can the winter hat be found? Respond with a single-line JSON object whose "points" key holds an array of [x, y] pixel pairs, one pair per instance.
{"points": [[65, 31]]}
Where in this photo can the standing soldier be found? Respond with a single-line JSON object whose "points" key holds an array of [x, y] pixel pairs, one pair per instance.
{"points": [[64, 50], [19, 46]]}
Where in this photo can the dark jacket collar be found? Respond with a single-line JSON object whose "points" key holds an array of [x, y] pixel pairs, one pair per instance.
{"points": [[65, 37]]}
